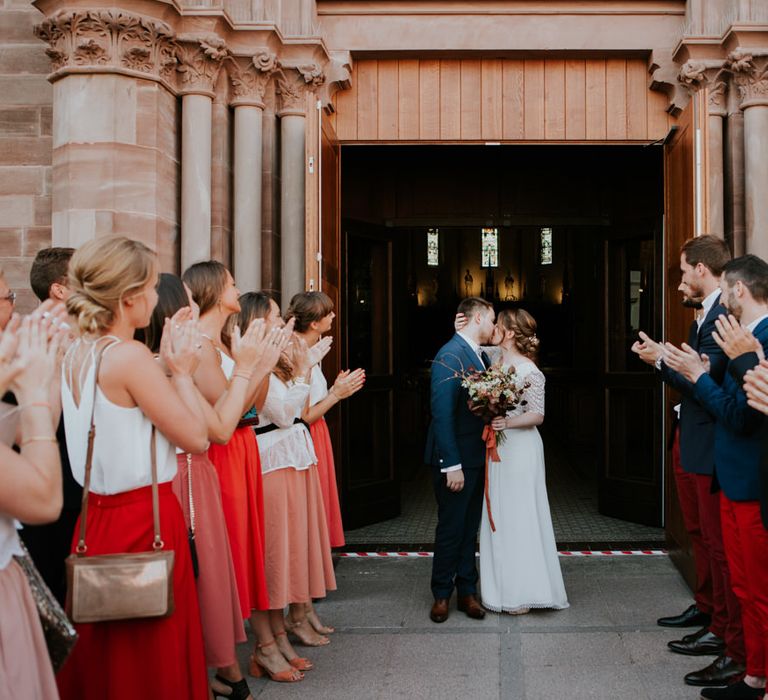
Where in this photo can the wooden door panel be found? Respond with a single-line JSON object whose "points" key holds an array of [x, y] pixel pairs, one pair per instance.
{"points": [[679, 203]]}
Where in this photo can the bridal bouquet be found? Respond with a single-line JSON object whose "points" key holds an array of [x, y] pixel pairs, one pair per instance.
{"points": [[494, 392]]}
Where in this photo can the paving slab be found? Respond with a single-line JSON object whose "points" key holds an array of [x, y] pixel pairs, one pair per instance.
{"points": [[605, 646]]}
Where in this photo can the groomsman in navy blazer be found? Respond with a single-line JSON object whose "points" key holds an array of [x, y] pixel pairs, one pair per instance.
{"points": [[716, 609], [738, 447], [456, 451]]}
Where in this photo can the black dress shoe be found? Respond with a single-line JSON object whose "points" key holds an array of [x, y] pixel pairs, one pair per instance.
{"points": [[439, 611], [722, 671], [695, 636], [737, 691], [691, 617], [706, 644]]}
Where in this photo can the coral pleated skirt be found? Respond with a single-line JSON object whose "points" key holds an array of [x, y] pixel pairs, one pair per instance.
{"points": [[239, 469], [216, 584], [326, 471], [149, 658], [298, 554], [25, 669]]}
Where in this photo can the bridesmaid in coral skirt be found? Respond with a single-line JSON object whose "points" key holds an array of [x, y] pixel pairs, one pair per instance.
{"points": [[313, 316], [237, 462]]}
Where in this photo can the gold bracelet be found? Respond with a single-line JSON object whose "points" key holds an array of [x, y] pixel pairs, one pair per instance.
{"points": [[242, 374], [37, 438]]}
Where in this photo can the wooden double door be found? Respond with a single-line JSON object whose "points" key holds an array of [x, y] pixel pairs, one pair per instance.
{"points": [[639, 277]]}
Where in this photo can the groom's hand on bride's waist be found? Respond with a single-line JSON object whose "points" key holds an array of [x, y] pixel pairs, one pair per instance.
{"points": [[455, 480]]}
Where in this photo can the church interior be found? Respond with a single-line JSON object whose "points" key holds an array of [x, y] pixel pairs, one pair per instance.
{"points": [[572, 234]]}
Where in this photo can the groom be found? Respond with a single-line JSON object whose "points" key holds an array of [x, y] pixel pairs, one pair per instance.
{"points": [[456, 451]]}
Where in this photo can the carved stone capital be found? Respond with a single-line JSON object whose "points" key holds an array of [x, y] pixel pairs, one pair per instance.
{"points": [[199, 60], [750, 74], [293, 85], [249, 76], [709, 74], [664, 74], [87, 41], [338, 76]]}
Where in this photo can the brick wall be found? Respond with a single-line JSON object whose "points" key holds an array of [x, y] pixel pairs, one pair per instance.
{"points": [[25, 146]]}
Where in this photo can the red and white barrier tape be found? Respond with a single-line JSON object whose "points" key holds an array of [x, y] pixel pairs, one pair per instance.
{"points": [[565, 553]]}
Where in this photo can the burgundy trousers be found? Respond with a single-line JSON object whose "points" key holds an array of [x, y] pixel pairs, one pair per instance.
{"points": [[713, 594], [746, 546]]}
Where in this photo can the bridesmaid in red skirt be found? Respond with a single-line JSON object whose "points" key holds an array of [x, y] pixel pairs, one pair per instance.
{"points": [[113, 292], [237, 462], [197, 489], [313, 316]]}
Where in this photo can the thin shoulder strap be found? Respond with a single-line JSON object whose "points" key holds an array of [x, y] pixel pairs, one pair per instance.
{"points": [[82, 548]]}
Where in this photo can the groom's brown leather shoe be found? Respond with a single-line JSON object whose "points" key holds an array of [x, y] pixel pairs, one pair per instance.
{"points": [[439, 612], [470, 605]]}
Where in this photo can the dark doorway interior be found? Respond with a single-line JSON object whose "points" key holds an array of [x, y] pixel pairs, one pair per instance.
{"points": [[599, 282]]}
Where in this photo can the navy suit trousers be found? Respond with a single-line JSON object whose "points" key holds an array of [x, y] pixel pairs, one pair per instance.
{"points": [[458, 520]]}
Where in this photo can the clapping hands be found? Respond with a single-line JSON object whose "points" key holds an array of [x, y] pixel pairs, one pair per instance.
{"points": [[734, 338], [181, 344], [348, 382], [756, 387], [686, 361], [647, 349]]}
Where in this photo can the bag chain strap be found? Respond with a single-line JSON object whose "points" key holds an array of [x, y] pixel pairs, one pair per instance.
{"points": [[189, 491], [82, 548]]}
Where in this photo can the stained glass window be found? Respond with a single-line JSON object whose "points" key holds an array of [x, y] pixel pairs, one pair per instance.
{"points": [[546, 246], [490, 247], [433, 247]]}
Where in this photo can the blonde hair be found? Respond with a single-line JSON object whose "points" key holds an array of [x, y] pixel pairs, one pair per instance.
{"points": [[524, 327], [102, 273]]}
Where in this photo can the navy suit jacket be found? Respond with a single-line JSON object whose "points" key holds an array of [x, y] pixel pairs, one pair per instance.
{"points": [[455, 435], [697, 425], [738, 432], [738, 368]]}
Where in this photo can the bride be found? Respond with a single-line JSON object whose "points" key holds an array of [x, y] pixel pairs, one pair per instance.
{"points": [[519, 567]]}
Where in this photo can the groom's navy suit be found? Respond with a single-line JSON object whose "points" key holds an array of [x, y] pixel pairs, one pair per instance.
{"points": [[455, 437]]}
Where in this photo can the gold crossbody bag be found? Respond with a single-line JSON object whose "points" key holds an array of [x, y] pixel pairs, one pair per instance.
{"points": [[126, 586]]}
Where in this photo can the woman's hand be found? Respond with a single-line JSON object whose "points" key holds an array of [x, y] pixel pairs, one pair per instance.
{"points": [[36, 358], [320, 349], [460, 322], [9, 364], [248, 349], [499, 423], [302, 362], [181, 344], [348, 383]]}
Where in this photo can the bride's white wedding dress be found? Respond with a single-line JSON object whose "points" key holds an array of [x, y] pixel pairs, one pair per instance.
{"points": [[519, 565]]}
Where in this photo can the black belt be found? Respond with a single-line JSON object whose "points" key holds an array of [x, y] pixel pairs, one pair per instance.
{"points": [[269, 428]]}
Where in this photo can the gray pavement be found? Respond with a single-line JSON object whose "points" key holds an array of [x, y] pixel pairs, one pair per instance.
{"points": [[606, 645]]}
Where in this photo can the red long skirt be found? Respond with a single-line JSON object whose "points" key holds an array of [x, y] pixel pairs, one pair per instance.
{"points": [[326, 471], [239, 468], [151, 658]]}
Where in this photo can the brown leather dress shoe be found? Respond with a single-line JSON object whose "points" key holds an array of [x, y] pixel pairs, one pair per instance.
{"points": [[439, 611], [470, 605]]}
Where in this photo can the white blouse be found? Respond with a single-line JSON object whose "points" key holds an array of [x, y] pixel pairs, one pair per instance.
{"points": [[318, 386], [121, 448], [290, 444]]}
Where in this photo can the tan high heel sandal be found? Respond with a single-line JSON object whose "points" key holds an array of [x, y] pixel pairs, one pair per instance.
{"points": [[299, 663], [294, 626], [257, 670]]}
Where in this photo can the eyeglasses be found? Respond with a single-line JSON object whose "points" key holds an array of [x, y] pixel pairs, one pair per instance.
{"points": [[11, 297]]}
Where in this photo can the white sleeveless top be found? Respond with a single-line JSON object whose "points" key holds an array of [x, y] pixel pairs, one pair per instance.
{"points": [[9, 540], [121, 457]]}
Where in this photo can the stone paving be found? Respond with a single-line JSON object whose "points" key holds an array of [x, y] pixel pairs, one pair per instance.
{"points": [[605, 646]]}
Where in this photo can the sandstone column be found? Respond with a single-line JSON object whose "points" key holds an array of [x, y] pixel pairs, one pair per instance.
{"points": [[114, 128], [248, 78], [293, 86], [735, 173], [749, 69], [199, 59], [699, 74]]}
